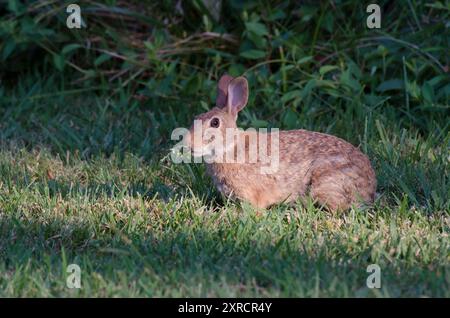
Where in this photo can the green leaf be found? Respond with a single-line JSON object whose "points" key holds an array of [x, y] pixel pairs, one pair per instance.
{"points": [[290, 119], [101, 59], [291, 95], [259, 123], [348, 80], [257, 28], [253, 54], [390, 85], [259, 41], [59, 61], [428, 92], [328, 21], [15, 6], [327, 83], [413, 89], [327, 68], [204, 105], [8, 48], [304, 60], [70, 47], [308, 88]]}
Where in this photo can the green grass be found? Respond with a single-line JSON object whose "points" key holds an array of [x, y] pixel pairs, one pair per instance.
{"points": [[85, 175], [139, 225], [108, 216]]}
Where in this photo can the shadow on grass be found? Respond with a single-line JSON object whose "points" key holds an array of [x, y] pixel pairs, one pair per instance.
{"points": [[194, 262]]}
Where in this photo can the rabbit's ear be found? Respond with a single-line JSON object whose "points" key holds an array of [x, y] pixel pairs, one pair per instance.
{"points": [[222, 90], [237, 95]]}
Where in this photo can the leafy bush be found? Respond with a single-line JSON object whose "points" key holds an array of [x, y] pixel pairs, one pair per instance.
{"points": [[303, 60]]}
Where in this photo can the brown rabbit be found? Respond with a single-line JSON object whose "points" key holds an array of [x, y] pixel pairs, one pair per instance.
{"points": [[333, 172]]}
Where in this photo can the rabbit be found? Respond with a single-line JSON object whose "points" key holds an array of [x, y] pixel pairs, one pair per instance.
{"points": [[333, 172]]}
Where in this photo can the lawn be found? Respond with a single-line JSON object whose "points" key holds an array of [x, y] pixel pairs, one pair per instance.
{"points": [[85, 171]]}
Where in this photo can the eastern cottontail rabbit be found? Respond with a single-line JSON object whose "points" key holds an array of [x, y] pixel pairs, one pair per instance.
{"points": [[332, 171]]}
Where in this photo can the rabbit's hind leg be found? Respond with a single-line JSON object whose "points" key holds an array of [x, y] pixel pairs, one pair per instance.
{"points": [[332, 189]]}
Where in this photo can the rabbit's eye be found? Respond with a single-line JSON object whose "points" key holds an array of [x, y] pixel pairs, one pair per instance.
{"points": [[215, 122]]}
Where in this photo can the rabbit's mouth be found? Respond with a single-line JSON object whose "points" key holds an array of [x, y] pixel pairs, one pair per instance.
{"points": [[200, 152], [197, 153], [205, 150]]}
